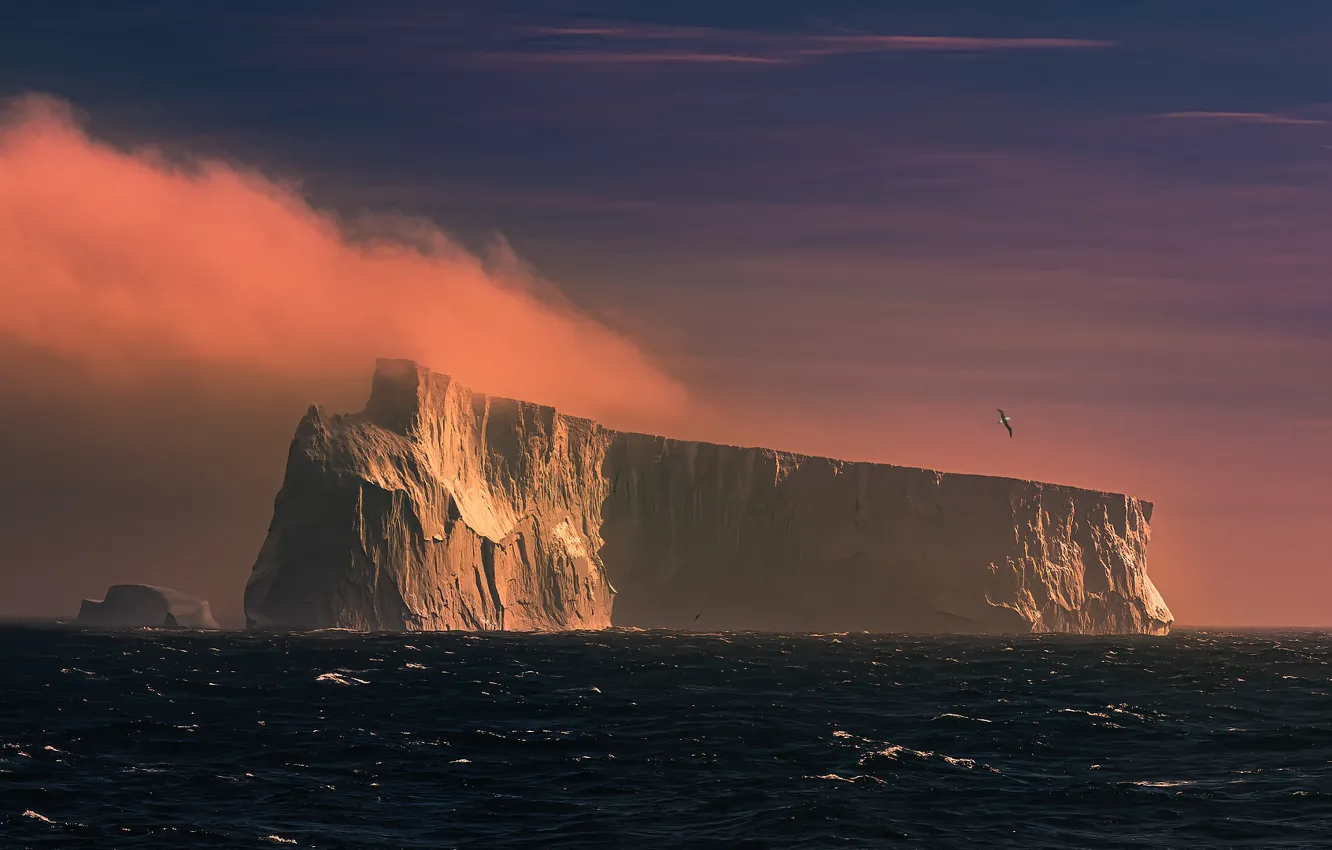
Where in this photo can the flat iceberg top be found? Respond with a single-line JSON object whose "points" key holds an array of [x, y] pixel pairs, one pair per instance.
{"points": [[151, 589]]}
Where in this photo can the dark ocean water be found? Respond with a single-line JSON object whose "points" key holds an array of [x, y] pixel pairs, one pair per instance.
{"points": [[647, 739]]}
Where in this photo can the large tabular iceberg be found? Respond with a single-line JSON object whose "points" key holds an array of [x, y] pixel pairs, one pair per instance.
{"points": [[139, 605], [440, 508]]}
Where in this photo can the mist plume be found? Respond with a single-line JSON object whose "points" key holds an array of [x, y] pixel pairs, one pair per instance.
{"points": [[125, 262]]}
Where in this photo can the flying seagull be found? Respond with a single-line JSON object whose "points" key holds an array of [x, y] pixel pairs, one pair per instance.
{"points": [[696, 616], [1005, 421]]}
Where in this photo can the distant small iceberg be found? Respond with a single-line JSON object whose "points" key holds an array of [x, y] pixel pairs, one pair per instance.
{"points": [[131, 606]]}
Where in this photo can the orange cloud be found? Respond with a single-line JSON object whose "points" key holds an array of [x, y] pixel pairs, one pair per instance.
{"points": [[127, 263]]}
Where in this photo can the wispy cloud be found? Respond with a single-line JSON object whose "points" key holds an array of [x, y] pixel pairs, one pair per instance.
{"points": [[1241, 117], [839, 44], [620, 43], [595, 57], [520, 41]]}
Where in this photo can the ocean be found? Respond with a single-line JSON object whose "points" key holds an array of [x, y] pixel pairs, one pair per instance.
{"points": [[629, 739]]}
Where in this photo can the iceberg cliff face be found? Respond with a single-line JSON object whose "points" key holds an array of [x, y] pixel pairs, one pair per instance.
{"points": [[440, 508]]}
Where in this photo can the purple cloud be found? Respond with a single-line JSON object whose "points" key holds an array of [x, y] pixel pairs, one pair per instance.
{"points": [[1241, 117]]}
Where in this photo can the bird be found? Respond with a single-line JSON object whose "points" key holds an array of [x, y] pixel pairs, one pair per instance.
{"points": [[696, 616], [1005, 421]]}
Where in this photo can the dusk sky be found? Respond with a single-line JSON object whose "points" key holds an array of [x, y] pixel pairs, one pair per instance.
{"points": [[848, 229]]}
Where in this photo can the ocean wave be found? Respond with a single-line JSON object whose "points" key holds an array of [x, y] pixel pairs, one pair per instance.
{"points": [[652, 738], [899, 753], [340, 679]]}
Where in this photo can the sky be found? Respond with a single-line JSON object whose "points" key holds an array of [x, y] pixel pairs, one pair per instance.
{"points": [[836, 228]]}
